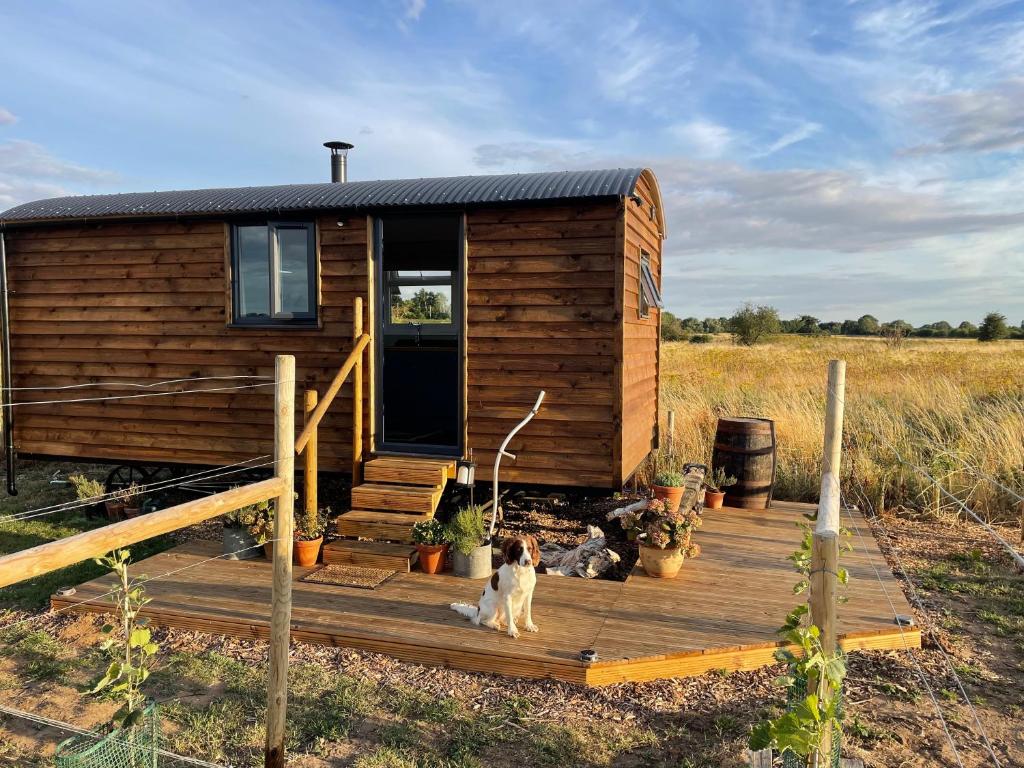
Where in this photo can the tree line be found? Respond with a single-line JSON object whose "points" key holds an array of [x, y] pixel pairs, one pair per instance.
{"points": [[751, 324]]}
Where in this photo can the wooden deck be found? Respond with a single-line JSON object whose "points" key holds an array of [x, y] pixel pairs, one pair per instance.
{"points": [[720, 613]]}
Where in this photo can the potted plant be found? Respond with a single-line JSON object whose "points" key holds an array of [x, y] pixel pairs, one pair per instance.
{"points": [[131, 499], [668, 487], [262, 527], [431, 540], [88, 490], [309, 535], [468, 535], [663, 536], [714, 496], [239, 543]]}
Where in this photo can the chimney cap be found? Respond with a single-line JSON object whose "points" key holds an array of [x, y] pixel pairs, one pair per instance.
{"points": [[338, 146]]}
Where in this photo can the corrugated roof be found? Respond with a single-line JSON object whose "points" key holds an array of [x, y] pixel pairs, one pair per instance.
{"points": [[453, 190]]}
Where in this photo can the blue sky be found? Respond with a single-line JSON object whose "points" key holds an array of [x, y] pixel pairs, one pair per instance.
{"points": [[829, 158]]}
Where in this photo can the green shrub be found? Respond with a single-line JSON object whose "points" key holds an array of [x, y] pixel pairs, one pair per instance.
{"points": [[429, 532], [700, 338], [466, 531], [668, 479]]}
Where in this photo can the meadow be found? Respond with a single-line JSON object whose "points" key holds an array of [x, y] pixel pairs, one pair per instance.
{"points": [[952, 408]]}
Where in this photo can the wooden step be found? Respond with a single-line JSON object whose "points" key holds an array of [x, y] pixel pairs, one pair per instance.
{"points": [[371, 554], [395, 469], [383, 526], [397, 498]]}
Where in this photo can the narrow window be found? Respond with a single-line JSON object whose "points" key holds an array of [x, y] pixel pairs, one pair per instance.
{"points": [[648, 289], [274, 274]]}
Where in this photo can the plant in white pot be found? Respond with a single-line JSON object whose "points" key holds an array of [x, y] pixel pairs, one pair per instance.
{"points": [[472, 549]]}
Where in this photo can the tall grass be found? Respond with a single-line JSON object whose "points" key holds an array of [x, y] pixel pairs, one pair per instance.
{"points": [[952, 408]]}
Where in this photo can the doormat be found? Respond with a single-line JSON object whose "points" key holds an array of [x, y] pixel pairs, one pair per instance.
{"points": [[349, 576]]}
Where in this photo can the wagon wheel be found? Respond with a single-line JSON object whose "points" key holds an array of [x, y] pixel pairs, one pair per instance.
{"points": [[123, 476], [158, 474]]}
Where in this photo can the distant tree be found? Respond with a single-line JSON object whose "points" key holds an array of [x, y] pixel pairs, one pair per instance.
{"points": [[993, 327], [942, 328], [789, 326], [751, 324], [850, 328], [867, 325], [896, 332], [807, 324], [713, 325], [965, 330], [692, 325], [831, 327], [671, 328]]}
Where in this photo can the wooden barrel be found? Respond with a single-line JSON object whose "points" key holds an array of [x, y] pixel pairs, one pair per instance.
{"points": [[745, 448]]}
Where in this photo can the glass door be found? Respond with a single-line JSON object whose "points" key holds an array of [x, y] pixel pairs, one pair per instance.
{"points": [[419, 386]]}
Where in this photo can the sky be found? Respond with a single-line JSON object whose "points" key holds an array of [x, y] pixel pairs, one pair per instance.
{"points": [[826, 158]]}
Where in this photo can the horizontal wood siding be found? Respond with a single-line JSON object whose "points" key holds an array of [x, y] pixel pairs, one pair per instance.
{"points": [[145, 302], [542, 315], [640, 345]]}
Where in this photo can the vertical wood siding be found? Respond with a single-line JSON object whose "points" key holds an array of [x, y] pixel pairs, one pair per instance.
{"points": [[641, 342], [145, 302]]}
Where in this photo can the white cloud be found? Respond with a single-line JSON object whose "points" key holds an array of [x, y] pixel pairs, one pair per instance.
{"points": [[802, 132], [703, 137], [986, 120], [414, 9], [7, 117], [29, 172]]}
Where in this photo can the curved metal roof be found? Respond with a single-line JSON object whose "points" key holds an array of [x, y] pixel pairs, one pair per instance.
{"points": [[453, 190]]}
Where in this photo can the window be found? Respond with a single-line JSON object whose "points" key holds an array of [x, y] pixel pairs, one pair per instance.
{"points": [[648, 289], [274, 274], [419, 297]]}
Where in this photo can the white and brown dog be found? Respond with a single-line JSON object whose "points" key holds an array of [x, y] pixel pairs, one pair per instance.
{"points": [[509, 593]]}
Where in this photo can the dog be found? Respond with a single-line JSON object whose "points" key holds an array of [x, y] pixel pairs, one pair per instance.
{"points": [[508, 594]]}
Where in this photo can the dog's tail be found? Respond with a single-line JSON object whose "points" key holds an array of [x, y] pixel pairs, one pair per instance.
{"points": [[465, 609]]}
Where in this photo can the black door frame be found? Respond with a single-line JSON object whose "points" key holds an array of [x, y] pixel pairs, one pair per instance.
{"points": [[459, 325]]}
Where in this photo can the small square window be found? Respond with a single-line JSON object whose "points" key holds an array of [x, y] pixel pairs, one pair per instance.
{"points": [[274, 274], [647, 288]]}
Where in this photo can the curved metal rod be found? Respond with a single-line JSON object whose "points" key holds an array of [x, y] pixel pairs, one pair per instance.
{"points": [[503, 452]]}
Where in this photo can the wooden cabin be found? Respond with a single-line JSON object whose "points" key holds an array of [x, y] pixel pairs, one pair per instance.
{"points": [[479, 291]]}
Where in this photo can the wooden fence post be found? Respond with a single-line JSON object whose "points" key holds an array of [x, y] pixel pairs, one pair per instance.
{"points": [[281, 596], [825, 539], [357, 396], [309, 460]]}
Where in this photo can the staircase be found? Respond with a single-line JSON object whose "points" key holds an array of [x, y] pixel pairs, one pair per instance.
{"points": [[396, 493]]}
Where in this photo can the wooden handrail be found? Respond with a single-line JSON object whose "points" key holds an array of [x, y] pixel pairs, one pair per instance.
{"points": [[332, 391], [63, 552]]}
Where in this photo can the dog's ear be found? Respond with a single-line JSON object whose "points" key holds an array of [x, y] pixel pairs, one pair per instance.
{"points": [[534, 548], [506, 546]]}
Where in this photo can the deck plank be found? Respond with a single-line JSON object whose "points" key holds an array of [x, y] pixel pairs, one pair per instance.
{"points": [[720, 613]]}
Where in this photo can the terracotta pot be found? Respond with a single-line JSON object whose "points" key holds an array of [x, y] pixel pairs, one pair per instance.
{"points": [[115, 510], [307, 552], [130, 512], [268, 550], [671, 495], [432, 557], [713, 499], [661, 563]]}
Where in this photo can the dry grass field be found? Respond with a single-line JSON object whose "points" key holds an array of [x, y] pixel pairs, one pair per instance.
{"points": [[954, 408]]}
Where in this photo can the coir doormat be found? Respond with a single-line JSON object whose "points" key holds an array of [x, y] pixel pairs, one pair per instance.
{"points": [[349, 576]]}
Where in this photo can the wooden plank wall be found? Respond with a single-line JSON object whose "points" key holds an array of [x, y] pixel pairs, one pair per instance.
{"points": [[542, 314], [641, 337], [144, 302]]}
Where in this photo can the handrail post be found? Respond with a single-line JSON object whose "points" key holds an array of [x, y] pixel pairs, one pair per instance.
{"points": [[357, 395], [309, 461], [281, 595], [824, 574]]}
